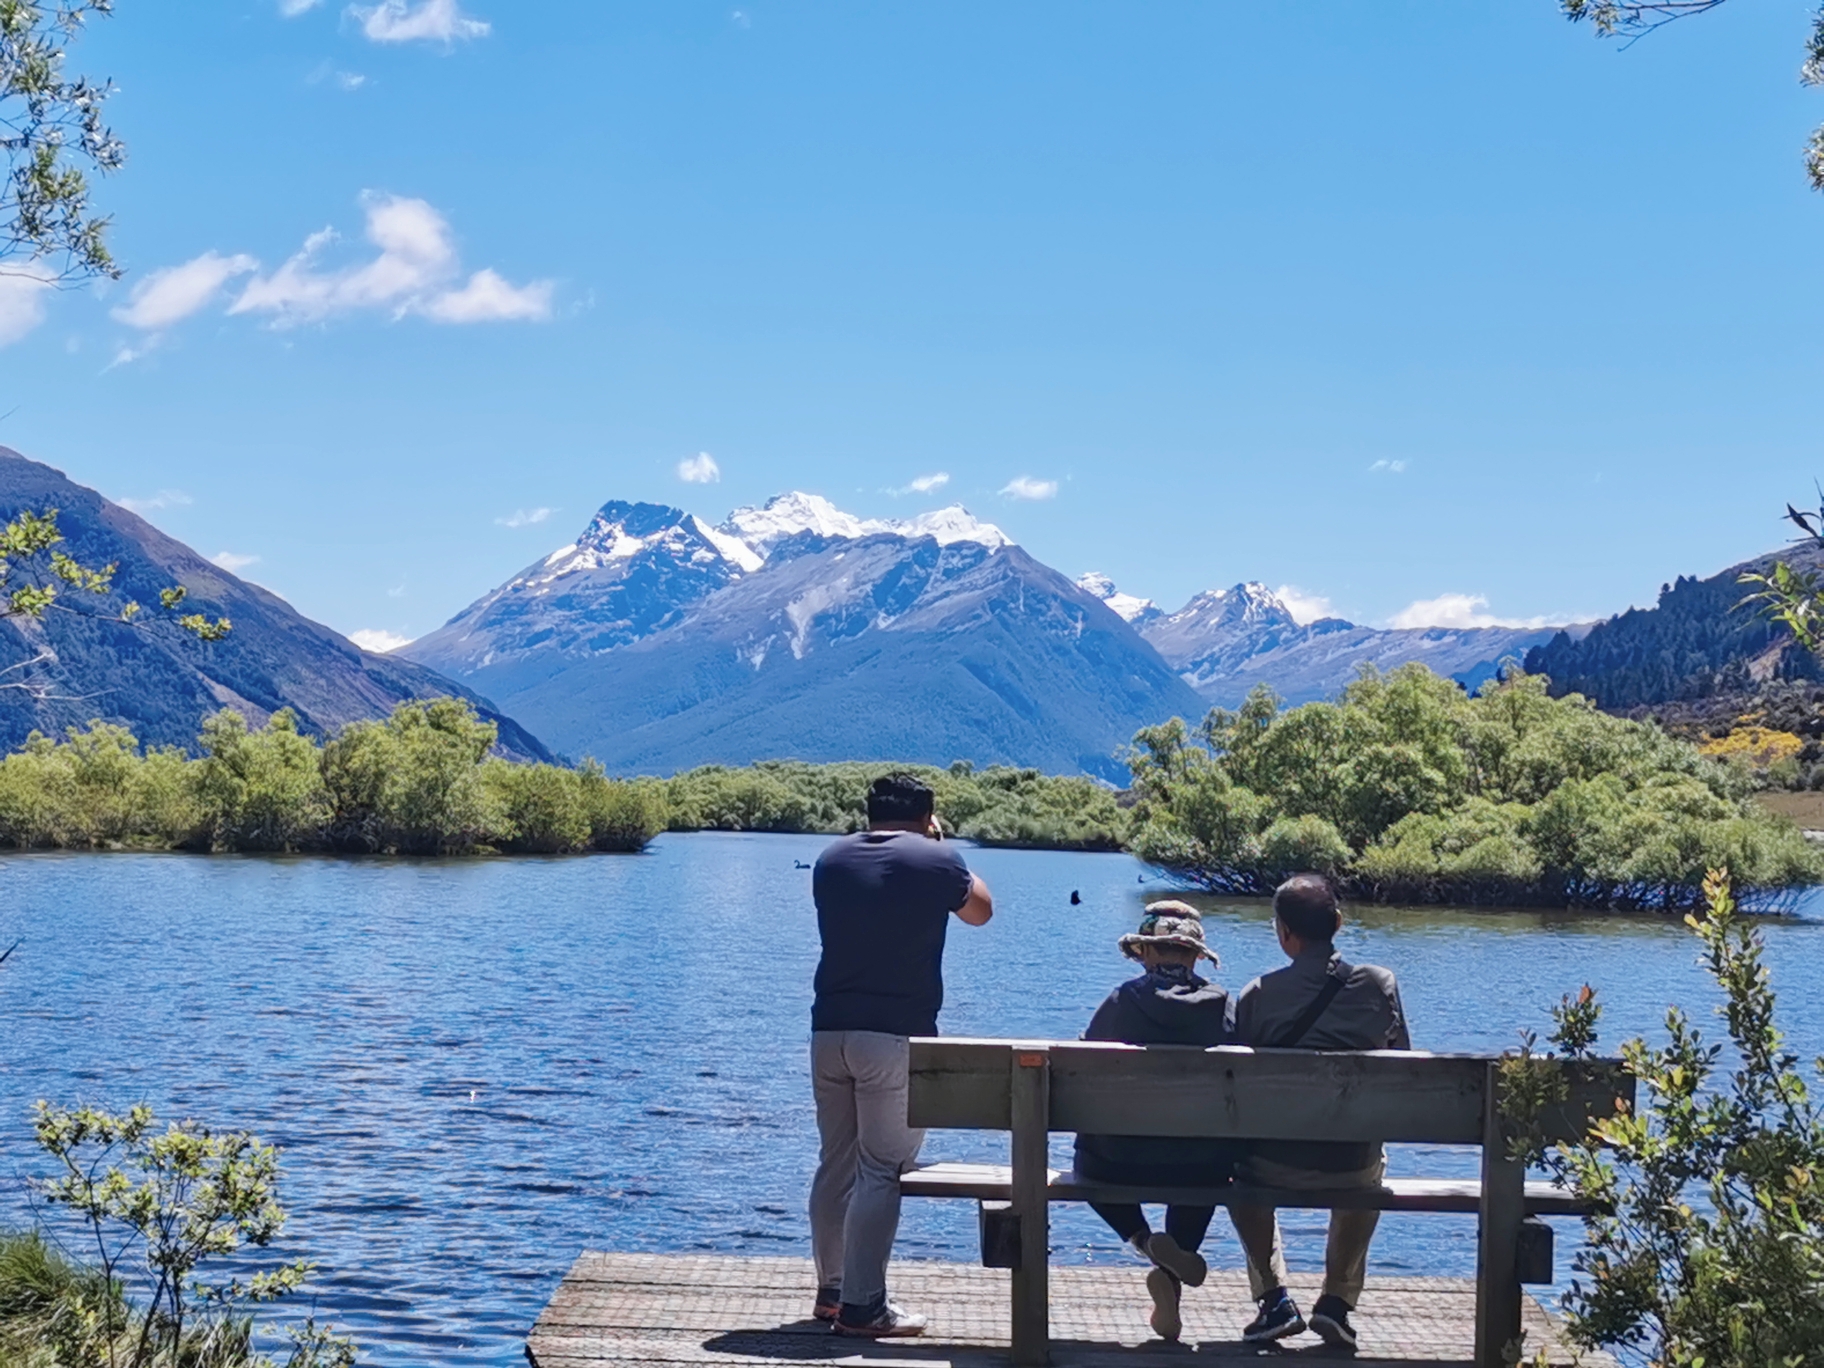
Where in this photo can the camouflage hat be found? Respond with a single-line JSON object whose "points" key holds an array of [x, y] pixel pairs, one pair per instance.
{"points": [[1169, 923]]}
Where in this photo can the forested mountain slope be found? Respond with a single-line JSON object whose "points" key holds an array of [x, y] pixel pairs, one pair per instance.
{"points": [[161, 682]]}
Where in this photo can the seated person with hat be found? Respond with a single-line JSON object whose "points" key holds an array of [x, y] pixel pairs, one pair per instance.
{"points": [[1169, 1004]]}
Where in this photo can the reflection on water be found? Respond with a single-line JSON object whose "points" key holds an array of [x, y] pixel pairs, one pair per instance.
{"points": [[478, 1068]]}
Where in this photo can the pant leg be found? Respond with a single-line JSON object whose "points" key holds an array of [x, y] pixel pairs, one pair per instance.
{"points": [[1124, 1218], [1346, 1251], [1258, 1230], [834, 1091], [1188, 1224], [885, 1148], [1351, 1232]]}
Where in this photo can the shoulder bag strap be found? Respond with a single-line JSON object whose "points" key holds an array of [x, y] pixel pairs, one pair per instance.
{"points": [[1334, 982]]}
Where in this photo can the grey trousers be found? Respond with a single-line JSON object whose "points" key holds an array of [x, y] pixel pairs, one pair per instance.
{"points": [[1345, 1256], [859, 1079]]}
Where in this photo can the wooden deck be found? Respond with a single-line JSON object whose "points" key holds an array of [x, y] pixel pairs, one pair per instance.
{"points": [[653, 1308]]}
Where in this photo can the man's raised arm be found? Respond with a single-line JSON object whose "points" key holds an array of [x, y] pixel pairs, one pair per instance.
{"points": [[978, 907]]}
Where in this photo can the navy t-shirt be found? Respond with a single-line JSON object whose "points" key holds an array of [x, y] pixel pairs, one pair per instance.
{"points": [[884, 900]]}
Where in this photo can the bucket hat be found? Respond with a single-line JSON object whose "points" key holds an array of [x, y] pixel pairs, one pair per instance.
{"points": [[1169, 923]]}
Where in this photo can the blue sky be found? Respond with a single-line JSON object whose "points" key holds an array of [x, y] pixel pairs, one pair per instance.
{"points": [[1386, 301]]}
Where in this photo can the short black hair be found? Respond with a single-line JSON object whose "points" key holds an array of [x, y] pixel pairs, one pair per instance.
{"points": [[1305, 905], [900, 798]]}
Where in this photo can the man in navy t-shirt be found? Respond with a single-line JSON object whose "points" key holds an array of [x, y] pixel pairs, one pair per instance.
{"points": [[884, 901]]}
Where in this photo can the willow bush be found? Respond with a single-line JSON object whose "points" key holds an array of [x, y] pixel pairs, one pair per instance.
{"points": [[419, 782], [1406, 789]]}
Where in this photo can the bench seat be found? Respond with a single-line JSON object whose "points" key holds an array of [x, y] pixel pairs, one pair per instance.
{"points": [[994, 1183]]}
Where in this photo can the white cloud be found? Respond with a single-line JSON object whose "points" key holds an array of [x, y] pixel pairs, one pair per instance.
{"points": [[1305, 608], [525, 517], [411, 275], [429, 21], [22, 295], [350, 80], [165, 498], [233, 562], [925, 484], [699, 469], [1459, 611], [1025, 487], [291, 9], [378, 639], [170, 295], [487, 298], [1387, 468]]}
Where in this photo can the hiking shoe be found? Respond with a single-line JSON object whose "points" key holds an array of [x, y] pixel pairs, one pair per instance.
{"points": [[828, 1304], [1186, 1265], [1330, 1318], [1167, 1323], [890, 1322], [1278, 1318]]}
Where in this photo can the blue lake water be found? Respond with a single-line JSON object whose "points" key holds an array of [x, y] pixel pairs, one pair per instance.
{"points": [[478, 1068]]}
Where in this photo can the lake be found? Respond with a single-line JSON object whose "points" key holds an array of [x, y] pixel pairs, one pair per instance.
{"points": [[478, 1068]]}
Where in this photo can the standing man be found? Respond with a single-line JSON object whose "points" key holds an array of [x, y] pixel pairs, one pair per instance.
{"points": [[1317, 1002], [884, 901]]}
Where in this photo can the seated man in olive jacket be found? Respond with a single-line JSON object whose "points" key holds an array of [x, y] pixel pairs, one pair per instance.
{"points": [[1316, 1002], [1169, 1004]]}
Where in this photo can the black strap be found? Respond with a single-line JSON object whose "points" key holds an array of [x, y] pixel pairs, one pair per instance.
{"points": [[1334, 982]]}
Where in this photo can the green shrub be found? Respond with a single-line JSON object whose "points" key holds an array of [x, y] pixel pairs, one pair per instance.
{"points": [[259, 790], [1510, 796]]}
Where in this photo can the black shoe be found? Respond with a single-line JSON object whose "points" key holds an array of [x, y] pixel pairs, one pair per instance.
{"points": [[828, 1304], [1330, 1318], [1278, 1318]]}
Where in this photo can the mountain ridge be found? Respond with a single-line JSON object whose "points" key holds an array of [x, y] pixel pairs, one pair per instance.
{"points": [[160, 683]]}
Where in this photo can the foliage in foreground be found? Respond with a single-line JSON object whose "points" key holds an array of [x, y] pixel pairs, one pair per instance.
{"points": [[163, 1206], [1708, 1247], [418, 782], [999, 805], [1406, 789]]}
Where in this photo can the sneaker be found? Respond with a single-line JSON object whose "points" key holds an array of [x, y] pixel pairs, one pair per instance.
{"points": [[1165, 1320], [828, 1304], [1330, 1318], [1278, 1318], [890, 1322], [1186, 1265]]}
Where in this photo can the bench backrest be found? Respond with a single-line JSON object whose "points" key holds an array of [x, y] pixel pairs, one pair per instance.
{"points": [[1234, 1091]]}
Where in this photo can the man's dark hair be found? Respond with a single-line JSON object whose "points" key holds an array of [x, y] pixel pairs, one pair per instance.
{"points": [[900, 798], [1305, 905]]}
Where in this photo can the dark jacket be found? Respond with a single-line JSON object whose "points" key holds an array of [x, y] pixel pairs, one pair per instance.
{"points": [[1168, 1006]]}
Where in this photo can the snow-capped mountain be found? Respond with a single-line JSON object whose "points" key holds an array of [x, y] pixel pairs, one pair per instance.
{"points": [[655, 641], [1130, 609], [637, 567], [1225, 641]]}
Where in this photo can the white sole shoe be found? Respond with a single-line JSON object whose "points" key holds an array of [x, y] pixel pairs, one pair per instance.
{"points": [[1166, 1321], [1186, 1265]]}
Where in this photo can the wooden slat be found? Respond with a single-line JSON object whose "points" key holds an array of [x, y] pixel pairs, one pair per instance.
{"points": [[1233, 1091], [1029, 1178], [993, 1182], [1498, 1294]]}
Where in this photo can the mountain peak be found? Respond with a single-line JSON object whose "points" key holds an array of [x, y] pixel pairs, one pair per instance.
{"points": [[1129, 607], [787, 515]]}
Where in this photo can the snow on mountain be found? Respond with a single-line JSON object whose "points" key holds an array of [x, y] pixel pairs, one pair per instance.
{"points": [[787, 515], [1131, 609], [797, 629]]}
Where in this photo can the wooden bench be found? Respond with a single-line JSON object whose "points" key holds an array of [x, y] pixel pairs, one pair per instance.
{"points": [[1031, 1088]]}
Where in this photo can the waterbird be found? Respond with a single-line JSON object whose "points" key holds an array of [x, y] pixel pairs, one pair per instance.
{"points": [[799, 864], [1075, 897]]}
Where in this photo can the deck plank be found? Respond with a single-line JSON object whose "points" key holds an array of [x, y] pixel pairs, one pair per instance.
{"points": [[696, 1310]]}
